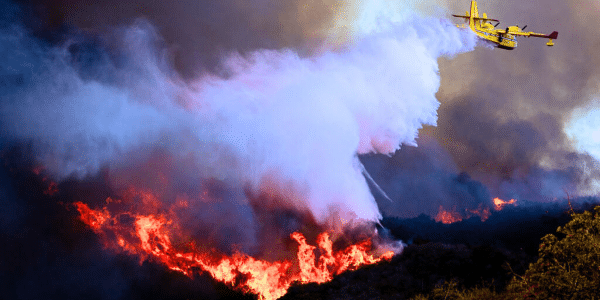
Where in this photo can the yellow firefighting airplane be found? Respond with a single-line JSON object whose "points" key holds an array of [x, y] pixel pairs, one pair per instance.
{"points": [[505, 39]]}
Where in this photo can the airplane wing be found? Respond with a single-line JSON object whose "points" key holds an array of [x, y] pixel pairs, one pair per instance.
{"points": [[469, 17], [459, 16], [486, 19]]}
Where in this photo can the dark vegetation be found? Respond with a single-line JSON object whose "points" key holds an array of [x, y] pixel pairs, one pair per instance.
{"points": [[417, 270], [515, 228], [474, 260]]}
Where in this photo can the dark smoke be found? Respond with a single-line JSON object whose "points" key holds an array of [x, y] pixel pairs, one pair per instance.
{"points": [[421, 179], [198, 32], [510, 116]]}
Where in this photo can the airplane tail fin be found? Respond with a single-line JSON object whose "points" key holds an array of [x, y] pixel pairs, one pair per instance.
{"points": [[553, 35], [474, 12]]}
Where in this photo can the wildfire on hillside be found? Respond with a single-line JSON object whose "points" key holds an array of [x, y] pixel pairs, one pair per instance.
{"points": [[448, 217], [153, 233], [452, 216]]}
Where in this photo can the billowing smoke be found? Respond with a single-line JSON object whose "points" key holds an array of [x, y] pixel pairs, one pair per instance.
{"points": [[270, 122]]}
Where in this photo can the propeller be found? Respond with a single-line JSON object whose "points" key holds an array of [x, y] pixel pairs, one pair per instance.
{"points": [[524, 27]]}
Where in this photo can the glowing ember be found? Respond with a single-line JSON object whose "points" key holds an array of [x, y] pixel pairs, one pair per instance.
{"points": [[52, 187], [447, 217], [150, 236], [483, 213], [499, 203]]}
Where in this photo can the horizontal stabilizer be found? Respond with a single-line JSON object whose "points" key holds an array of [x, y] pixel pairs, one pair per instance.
{"points": [[553, 35]]}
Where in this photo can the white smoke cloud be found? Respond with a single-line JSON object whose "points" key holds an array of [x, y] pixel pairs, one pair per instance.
{"points": [[583, 128], [294, 125]]}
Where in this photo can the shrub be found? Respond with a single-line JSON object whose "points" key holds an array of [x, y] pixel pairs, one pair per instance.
{"points": [[567, 267]]}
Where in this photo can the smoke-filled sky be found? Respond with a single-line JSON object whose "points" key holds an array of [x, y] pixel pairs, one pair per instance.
{"points": [[521, 123], [278, 98], [521, 102]]}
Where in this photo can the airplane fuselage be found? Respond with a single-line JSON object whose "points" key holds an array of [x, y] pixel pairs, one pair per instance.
{"points": [[485, 30], [505, 39]]}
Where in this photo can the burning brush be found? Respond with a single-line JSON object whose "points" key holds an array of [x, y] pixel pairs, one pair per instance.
{"points": [[152, 236], [452, 216]]}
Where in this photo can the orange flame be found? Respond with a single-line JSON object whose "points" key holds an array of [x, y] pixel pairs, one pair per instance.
{"points": [[447, 217], [499, 204], [151, 235]]}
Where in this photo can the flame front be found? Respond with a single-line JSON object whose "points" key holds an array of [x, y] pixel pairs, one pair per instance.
{"points": [[449, 217], [150, 236], [452, 216]]}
